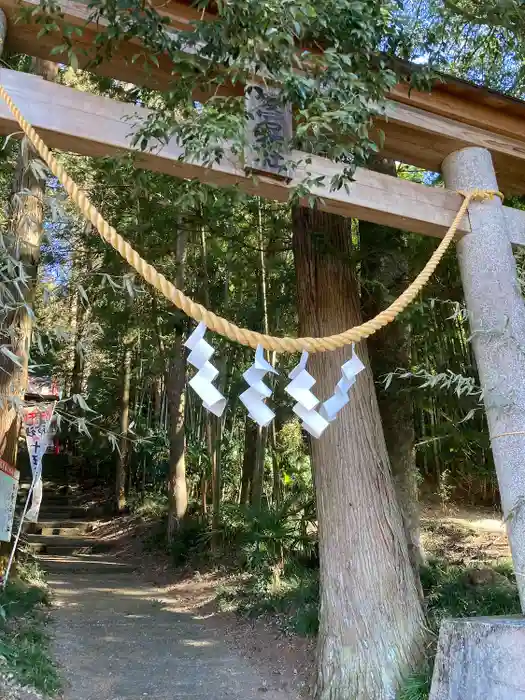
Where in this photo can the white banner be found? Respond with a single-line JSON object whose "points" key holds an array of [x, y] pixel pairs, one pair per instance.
{"points": [[37, 422], [9, 480]]}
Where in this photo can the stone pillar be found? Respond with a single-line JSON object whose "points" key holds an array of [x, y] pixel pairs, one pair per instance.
{"points": [[497, 318], [480, 659]]}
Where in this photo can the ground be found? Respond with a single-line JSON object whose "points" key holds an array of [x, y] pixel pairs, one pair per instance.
{"points": [[121, 639], [151, 631], [461, 535]]}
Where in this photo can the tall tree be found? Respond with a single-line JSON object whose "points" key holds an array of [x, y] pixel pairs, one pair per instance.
{"points": [[23, 246], [123, 452], [175, 387], [371, 620], [385, 269], [262, 432]]}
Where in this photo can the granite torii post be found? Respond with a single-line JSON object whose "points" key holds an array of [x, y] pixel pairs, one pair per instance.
{"points": [[482, 658], [497, 319]]}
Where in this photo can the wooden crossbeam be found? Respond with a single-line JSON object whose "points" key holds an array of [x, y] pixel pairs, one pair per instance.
{"points": [[418, 127], [425, 139], [87, 124]]}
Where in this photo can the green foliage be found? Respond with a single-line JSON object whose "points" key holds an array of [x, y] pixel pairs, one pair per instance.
{"points": [[24, 643], [20, 599], [450, 592], [417, 686], [152, 505], [334, 91], [293, 598], [268, 537], [191, 541], [476, 40]]}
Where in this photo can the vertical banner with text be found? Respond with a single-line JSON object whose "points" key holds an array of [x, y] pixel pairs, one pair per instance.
{"points": [[9, 480], [37, 422]]}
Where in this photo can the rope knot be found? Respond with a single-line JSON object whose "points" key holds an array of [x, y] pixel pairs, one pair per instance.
{"points": [[478, 195]]}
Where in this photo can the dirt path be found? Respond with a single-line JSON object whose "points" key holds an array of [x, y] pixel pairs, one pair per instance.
{"points": [[116, 639], [119, 637], [467, 536]]}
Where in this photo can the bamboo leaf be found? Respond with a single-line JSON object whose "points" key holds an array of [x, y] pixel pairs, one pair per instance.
{"points": [[11, 355]]}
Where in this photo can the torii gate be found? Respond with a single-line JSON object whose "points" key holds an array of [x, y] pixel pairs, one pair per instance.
{"points": [[473, 136]]}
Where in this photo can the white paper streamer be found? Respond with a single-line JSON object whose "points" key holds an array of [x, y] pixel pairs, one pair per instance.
{"points": [[335, 403], [299, 389], [253, 398], [37, 422], [199, 357]]}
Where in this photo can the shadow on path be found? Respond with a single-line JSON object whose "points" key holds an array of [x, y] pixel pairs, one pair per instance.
{"points": [[117, 640]]}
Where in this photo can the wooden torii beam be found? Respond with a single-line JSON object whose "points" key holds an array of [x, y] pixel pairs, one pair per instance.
{"points": [[421, 129], [87, 124]]}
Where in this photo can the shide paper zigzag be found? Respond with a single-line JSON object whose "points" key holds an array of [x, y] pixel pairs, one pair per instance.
{"points": [[199, 357], [254, 397], [340, 398], [299, 389]]}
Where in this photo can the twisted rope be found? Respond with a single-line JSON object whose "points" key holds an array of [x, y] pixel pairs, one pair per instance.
{"points": [[200, 313]]}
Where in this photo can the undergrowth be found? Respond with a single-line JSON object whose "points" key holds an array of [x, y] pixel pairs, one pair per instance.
{"points": [[24, 643], [293, 598], [276, 561], [150, 505], [450, 591]]}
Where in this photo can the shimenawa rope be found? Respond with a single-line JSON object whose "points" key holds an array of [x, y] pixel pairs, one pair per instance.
{"points": [[200, 313]]}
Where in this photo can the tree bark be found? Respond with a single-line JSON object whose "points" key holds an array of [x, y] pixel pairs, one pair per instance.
{"points": [[175, 390], [276, 467], [385, 271], [157, 400], [204, 495], [82, 265], [213, 436], [258, 468], [212, 423], [24, 239], [262, 432], [123, 454], [371, 619], [248, 461], [77, 374], [177, 488]]}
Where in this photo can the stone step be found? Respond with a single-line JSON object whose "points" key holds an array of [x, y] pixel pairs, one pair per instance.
{"points": [[63, 527], [89, 563], [66, 550], [53, 544], [62, 507], [68, 512], [53, 504], [49, 489]]}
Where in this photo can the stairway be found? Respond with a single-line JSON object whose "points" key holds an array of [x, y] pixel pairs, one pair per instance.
{"points": [[62, 539]]}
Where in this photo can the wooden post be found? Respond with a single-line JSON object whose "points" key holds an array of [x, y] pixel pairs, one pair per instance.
{"points": [[497, 318]]}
